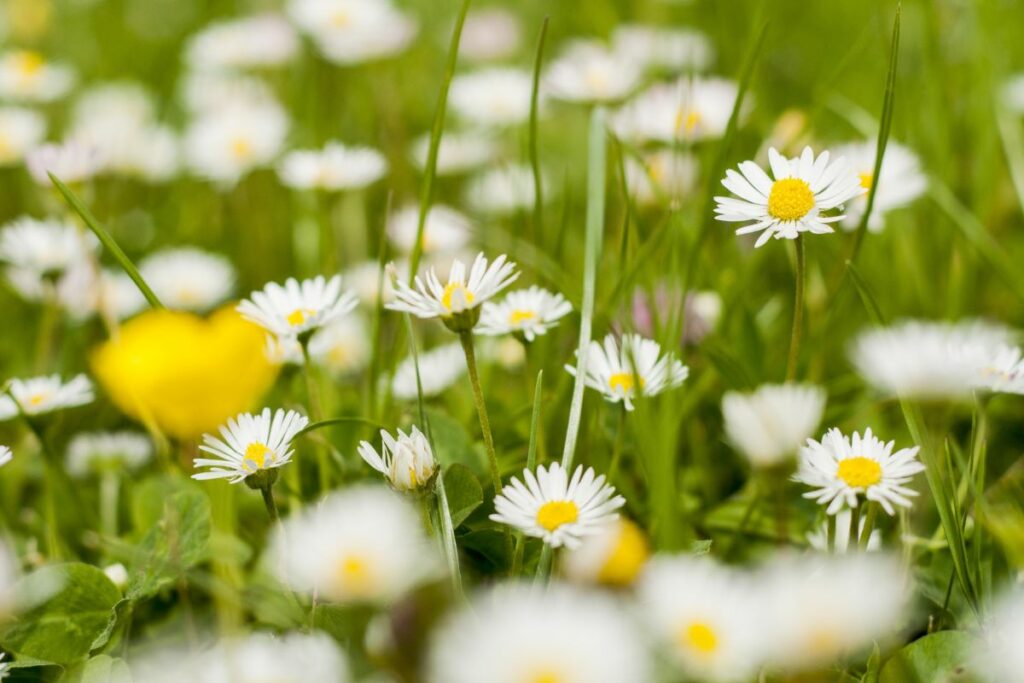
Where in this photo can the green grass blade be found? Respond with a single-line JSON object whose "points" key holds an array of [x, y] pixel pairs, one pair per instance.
{"points": [[538, 185], [531, 462], [332, 421], [866, 296], [108, 242]]}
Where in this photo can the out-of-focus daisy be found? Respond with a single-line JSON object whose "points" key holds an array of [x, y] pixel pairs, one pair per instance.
{"points": [[556, 508], [841, 468], [822, 607], [41, 395], [704, 615], [188, 279], [615, 555], [21, 129], [929, 360], [354, 31], [226, 143], [769, 425], [258, 41], [369, 283], [615, 370], [490, 34], [440, 368], [209, 91], [458, 152], [335, 167], [250, 444], [686, 110], [118, 296], [1002, 370], [503, 190], [365, 544], [342, 346], [5, 455], [795, 200], [296, 309], [461, 296], [99, 452], [72, 161], [406, 460], [517, 634], [527, 312], [663, 176], [589, 72], [46, 248], [900, 181], [445, 231], [997, 653], [818, 538], [655, 47], [26, 76], [493, 96]]}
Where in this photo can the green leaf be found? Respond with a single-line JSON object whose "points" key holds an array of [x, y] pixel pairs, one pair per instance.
{"points": [[701, 547], [489, 549], [464, 492], [104, 669], [937, 658], [73, 621], [178, 542], [451, 442]]}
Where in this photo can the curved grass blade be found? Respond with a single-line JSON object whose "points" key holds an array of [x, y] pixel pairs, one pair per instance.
{"points": [[330, 422]]}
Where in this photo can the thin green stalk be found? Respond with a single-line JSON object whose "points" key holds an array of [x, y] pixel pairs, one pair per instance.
{"points": [[854, 531], [798, 310], [531, 462], [830, 533], [748, 513], [538, 185], [466, 338], [268, 500], [869, 526], [110, 487], [316, 412]]}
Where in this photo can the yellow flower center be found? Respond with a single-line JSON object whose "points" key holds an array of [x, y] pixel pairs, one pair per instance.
{"points": [[699, 637], [456, 297], [36, 400], [545, 677], [241, 148], [556, 513], [624, 382], [860, 472], [866, 179], [686, 121], [627, 557], [340, 19], [298, 316], [29, 63], [257, 457], [353, 575], [790, 199], [518, 317]]}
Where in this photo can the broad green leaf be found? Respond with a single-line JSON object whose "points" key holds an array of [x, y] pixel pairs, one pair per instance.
{"points": [[72, 622], [104, 669], [451, 442], [489, 549], [937, 658], [464, 492], [175, 544]]}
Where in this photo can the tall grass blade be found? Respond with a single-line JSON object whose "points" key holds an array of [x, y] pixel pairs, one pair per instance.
{"points": [[538, 185]]}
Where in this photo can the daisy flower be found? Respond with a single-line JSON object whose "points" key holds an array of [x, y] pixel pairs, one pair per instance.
{"points": [[793, 201], [406, 460], [589, 72], [997, 653], [1002, 370], [5, 455], [72, 161], [504, 190], [45, 248], [553, 507], [20, 131], [41, 395], [335, 167], [206, 92], [188, 279], [342, 346], [456, 302], [99, 452], [841, 469], [296, 309], [613, 556], [769, 425], [490, 34], [689, 109], [226, 143], [458, 152], [514, 633], [705, 616], [364, 544], [354, 31], [26, 76], [900, 180], [527, 312], [818, 539], [655, 47], [440, 368], [615, 370], [492, 97], [445, 231], [250, 42], [250, 444]]}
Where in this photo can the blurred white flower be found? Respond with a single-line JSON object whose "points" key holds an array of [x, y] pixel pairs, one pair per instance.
{"points": [[261, 40], [999, 370], [504, 190], [225, 144], [40, 395], [206, 91], [26, 76], [118, 574], [367, 278], [440, 368], [490, 34], [661, 177], [795, 200], [72, 161], [655, 47], [188, 279], [530, 312], [998, 654], [117, 295], [445, 231], [516, 633], [769, 425], [492, 96], [343, 346], [21, 130], [457, 153], [250, 444], [98, 452], [297, 309], [589, 72], [461, 294], [364, 544], [556, 508], [818, 538], [689, 109], [335, 167], [615, 369], [354, 31], [900, 181], [405, 460], [44, 248], [615, 555]]}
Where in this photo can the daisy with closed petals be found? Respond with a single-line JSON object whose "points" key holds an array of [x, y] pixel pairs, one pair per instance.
{"points": [[406, 460], [794, 200], [294, 310], [553, 507], [842, 468], [615, 370], [41, 395], [526, 312], [250, 444]]}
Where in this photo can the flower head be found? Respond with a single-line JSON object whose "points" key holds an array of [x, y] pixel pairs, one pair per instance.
{"points": [[72, 161], [343, 346], [406, 460], [354, 31], [258, 41], [490, 34], [900, 181], [842, 468], [492, 97], [98, 452], [654, 47], [769, 425], [42, 395], [998, 653], [26, 76], [617, 371], [794, 200], [528, 312], [458, 153], [250, 444], [225, 143], [559, 509], [296, 309], [45, 248], [503, 190], [188, 279], [335, 167], [613, 556], [589, 72], [689, 109]]}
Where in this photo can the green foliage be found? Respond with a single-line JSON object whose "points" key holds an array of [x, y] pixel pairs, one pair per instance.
{"points": [[464, 492], [941, 657]]}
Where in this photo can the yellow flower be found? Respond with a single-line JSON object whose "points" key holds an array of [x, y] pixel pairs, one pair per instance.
{"points": [[183, 373]]}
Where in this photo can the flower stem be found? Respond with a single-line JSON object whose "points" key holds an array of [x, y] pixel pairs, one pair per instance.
{"points": [[317, 413], [869, 526], [830, 533], [268, 500], [798, 311], [110, 486], [854, 534], [466, 337]]}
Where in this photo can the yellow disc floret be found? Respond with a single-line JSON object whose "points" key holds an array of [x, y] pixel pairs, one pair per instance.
{"points": [[257, 457], [790, 199], [556, 513], [699, 637], [627, 556], [456, 297], [860, 472]]}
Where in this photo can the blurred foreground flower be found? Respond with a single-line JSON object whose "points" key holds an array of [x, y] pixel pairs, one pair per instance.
{"points": [[616, 371], [44, 249], [614, 556], [769, 425], [72, 161], [846, 538], [998, 652], [184, 374], [250, 444], [41, 395], [406, 460]]}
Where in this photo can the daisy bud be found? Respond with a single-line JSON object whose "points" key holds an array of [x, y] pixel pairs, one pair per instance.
{"points": [[406, 461]]}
